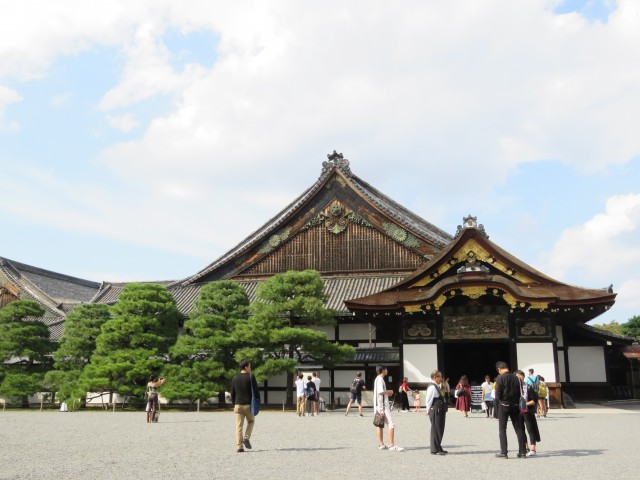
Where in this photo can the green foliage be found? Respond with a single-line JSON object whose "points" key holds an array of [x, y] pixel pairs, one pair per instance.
{"points": [[632, 327], [24, 348], [133, 343], [203, 359], [77, 345], [611, 327], [287, 303]]}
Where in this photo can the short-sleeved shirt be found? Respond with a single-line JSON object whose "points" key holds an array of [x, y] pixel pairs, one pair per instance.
{"points": [[380, 386], [300, 384]]}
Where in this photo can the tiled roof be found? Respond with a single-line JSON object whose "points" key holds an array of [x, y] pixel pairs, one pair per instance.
{"points": [[377, 355], [337, 289]]}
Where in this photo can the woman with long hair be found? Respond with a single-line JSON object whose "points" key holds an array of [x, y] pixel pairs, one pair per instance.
{"points": [[463, 396]]}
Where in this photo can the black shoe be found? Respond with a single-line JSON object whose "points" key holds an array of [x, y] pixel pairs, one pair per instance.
{"points": [[443, 452], [501, 455], [247, 443], [240, 450], [522, 455]]}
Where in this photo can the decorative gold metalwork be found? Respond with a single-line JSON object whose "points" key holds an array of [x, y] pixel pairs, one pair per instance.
{"points": [[275, 240], [533, 328], [419, 330], [475, 326]]}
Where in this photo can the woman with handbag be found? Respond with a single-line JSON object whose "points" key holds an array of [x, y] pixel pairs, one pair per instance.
{"points": [[152, 397], [463, 396], [382, 412]]}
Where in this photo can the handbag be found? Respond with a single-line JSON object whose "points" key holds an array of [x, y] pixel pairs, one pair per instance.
{"points": [[255, 402], [459, 392], [378, 420], [522, 405]]}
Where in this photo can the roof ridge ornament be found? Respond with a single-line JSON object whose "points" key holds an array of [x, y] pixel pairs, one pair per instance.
{"points": [[470, 222], [336, 160]]}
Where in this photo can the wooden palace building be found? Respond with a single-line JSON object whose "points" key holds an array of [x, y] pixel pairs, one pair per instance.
{"points": [[405, 293]]}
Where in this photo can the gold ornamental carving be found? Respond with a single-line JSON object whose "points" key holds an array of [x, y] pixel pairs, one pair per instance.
{"points": [[457, 327], [419, 330]]}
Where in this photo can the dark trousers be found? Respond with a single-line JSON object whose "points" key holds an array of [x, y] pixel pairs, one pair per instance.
{"points": [[510, 411], [437, 415], [489, 404], [405, 401]]}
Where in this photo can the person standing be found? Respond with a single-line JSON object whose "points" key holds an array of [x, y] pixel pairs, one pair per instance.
{"points": [[300, 395], [437, 407], [487, 386], [152, 397], [317, 381], [463, 396], [244, 387], [355, 393], [508, 390], [310, 394], [404, 394], [381, 405], [529, 418]]}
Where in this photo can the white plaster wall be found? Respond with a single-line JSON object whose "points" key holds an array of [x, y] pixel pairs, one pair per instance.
{"points": [[586, 364], [329, 330], [344, 378], [355, 331], [419, 361], [538, 356], [561, 367]]}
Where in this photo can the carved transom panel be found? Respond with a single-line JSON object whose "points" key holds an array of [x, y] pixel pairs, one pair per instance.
{"points": [[475, 326]]}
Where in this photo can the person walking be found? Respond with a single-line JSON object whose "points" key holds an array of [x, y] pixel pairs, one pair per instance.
{"points": [[244, 387], [463, 396], [529, 418], [437, 407], [381, 405], [543, 395], [404, 394], [508, 390], [317, 381], [487, 399], [355, 393], [300, 394], [152, 397]]}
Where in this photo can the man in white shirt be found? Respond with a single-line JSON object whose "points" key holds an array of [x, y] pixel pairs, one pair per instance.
{"points": [[381, 405], [316, 380], [437, 408], [300, 395]]}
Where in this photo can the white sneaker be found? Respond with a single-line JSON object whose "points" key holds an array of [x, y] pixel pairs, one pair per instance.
{"points": [[532, 453], [382, 447], [395, 448]]}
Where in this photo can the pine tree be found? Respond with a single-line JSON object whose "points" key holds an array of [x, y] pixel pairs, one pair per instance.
{"points": [[278, 334], [203, 359], [134, 343], [77, 345], [24, 349], [632, 327]]}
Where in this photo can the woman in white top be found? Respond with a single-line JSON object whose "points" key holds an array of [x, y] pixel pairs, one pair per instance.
{"points": [[381, 405]]}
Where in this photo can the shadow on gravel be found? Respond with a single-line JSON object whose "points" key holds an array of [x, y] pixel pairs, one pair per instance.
{"points": [[311, 449], [574, 453]]}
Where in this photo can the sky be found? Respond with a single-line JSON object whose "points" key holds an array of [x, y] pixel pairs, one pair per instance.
{"points": [[143, 140]]}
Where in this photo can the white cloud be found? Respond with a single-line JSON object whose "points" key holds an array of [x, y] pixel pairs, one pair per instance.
{"points": [[605, 247], [125, 123], [7, 97]]}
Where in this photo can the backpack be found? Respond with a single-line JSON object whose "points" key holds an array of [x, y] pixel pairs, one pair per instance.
{"points": [[535, 384], [354, 385], [310, 391], [542, 391]]}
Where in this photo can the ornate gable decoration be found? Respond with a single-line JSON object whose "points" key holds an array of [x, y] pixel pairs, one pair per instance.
{"points": [[336, 160], [470, 222], [336, 218]]}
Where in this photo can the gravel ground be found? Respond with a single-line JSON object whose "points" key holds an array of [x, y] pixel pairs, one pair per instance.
{"points": [[588, 442]]}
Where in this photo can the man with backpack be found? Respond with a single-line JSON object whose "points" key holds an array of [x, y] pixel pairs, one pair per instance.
{"points": [[310, 393], [533, 380], [355, 393]]}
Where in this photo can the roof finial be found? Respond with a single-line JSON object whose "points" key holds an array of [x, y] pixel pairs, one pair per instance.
{"points": [[336, 160], [471, 222]]}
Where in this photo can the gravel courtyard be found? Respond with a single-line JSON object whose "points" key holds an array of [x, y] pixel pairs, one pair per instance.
{"points": [[588, 442]]}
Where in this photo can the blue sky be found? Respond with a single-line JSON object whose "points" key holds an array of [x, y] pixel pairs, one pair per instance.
{"points": [[141, 143]]}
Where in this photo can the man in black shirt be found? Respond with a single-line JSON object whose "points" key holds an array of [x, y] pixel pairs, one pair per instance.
{"points": [[508, 391], [242, 386]]}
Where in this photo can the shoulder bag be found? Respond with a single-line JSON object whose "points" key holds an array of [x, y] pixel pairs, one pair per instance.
{"points": [[255, 402], [378, 418]]}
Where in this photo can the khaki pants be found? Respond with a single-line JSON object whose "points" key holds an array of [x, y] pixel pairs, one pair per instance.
{"points": [[242, 412], [300, 405]]}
